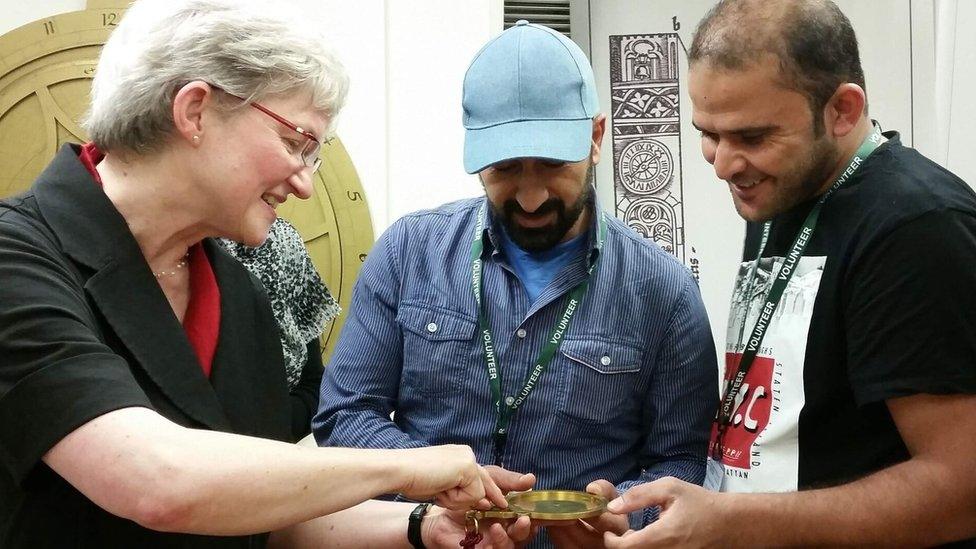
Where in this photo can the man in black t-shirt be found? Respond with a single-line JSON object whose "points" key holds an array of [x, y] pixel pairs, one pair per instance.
{"points": [[849, 415]]}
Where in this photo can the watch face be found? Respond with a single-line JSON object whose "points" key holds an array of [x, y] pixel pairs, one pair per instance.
{"points": [[46, 69]]}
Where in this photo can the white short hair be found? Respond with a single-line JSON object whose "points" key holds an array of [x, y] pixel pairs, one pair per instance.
{"points": [[251, 50]]}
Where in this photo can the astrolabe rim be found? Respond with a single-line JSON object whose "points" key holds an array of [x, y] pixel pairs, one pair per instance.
{"points": [[528, 503]]}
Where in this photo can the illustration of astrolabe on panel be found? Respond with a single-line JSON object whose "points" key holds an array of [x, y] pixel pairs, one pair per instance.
{"points": [[46, 69], [548, 505]]}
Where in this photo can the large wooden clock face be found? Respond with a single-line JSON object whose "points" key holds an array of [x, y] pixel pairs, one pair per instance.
{"points": [[45, 77]]}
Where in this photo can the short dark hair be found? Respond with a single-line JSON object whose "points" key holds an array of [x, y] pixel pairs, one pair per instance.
{"points": [[812, 39]]}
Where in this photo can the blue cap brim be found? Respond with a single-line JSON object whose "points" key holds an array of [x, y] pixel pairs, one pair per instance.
{"points": [[565, 140]]}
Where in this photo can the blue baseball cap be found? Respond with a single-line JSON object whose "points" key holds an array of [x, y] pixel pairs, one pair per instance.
{"points": [[528, 93]]}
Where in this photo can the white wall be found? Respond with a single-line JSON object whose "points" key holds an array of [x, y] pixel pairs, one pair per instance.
{"points": [[431, 44], [955, 66], [402, 123]]}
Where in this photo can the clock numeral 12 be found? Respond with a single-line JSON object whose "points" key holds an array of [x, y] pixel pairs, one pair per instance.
{"points": [[110, 19]]}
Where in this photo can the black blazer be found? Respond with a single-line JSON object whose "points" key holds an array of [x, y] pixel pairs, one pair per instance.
{"points": [[85, 329]]}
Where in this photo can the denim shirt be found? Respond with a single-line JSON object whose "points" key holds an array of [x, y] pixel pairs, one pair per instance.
{"points": [[629, 396]]}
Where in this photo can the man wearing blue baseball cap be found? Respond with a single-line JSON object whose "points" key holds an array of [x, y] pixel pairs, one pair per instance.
{"points": [[528, 323]]}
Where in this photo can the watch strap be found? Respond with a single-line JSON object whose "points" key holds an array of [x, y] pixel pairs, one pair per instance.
{"points": [[413, 526]]}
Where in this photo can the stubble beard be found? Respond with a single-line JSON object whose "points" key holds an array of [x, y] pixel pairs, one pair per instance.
{"points": [[810, 180]]}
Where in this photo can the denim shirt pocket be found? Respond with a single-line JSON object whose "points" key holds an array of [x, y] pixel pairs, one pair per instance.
{"points": [[600, 379], [437, 347]]}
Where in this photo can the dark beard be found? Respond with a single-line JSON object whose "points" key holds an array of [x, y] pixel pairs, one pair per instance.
{"points": [[538, 239]]}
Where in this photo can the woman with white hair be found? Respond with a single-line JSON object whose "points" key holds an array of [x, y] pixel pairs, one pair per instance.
{"points": [[141, 375]]}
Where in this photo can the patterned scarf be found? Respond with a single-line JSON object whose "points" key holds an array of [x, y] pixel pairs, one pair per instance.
{"points": [[301, 302]]}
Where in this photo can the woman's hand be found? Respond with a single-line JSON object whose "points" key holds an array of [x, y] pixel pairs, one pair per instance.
{"points": [[448, 474]]}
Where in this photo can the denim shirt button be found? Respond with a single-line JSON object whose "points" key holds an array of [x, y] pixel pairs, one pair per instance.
{"points": [[432, 327], [520, 333], [605, 360]]}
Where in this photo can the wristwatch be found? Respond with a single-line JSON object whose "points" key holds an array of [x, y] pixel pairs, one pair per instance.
{"points": [[413, 527]]}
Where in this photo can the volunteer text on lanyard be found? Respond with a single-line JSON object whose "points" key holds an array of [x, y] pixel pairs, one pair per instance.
{"points": [[507, 409], [783, 276]]}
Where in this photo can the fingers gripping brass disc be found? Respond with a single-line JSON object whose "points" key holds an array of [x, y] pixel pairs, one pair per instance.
{"points": [[45, 77]]}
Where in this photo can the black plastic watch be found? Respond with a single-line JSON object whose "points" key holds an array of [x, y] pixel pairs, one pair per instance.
{"points": [[413, 527]]}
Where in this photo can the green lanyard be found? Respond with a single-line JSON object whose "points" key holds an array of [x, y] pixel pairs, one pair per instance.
{"points": [[783, 276], [507, 409]]}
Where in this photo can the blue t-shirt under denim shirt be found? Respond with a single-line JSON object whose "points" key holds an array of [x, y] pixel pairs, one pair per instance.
{"points": [[629, 396], [537, 269]]}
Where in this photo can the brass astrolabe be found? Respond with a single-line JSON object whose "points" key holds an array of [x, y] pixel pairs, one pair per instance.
{"points": [[548, 505], [45, 77]]}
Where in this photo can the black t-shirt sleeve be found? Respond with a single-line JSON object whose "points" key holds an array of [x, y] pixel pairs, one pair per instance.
{"points": [[55, 372], [911, 310]]}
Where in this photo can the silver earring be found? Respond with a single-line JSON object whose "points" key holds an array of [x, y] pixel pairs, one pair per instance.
{"points": [[196, 139]]}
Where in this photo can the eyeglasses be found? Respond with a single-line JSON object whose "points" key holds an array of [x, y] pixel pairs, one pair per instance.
{"points": [[310, 152]]}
